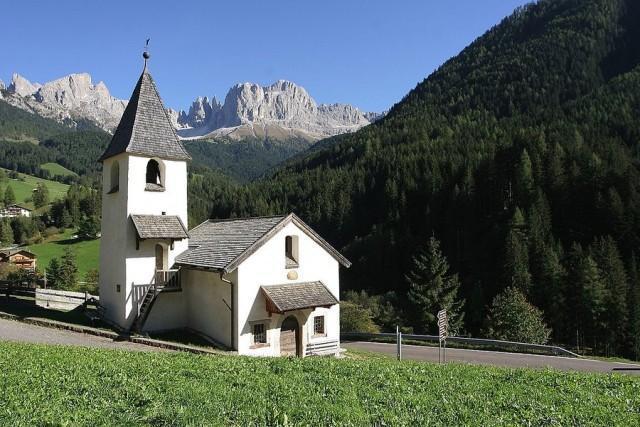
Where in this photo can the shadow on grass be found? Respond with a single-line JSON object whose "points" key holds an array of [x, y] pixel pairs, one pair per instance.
{"points": [[25, 307], [72, 241]]}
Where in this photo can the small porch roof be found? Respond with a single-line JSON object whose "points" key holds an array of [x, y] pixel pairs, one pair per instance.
{"points": [[297, 296], [159, 227]]}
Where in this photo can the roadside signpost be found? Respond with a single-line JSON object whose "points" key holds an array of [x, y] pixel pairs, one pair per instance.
{"points": [[443, 332], [398, 343]]}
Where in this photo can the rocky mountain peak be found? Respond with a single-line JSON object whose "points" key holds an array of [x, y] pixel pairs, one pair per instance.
{"points": [[21, 86], [280, 110], [68, 99]]}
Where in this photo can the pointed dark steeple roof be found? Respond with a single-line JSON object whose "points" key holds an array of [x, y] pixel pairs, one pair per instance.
{"points": [[145, 127]]}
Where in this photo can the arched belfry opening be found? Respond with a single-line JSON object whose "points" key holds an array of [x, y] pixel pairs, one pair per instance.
{"points": [[114, 177], [154, 178]]}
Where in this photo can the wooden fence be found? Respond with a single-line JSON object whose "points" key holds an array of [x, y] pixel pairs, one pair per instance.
{"points": [[61, 300]]}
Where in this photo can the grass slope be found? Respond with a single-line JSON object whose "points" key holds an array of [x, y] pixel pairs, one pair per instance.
{"points": [[24, 189], [87, 251], [79, 386], [57, 169]]}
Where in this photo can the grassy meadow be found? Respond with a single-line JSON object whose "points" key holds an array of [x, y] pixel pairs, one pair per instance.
{"points": [[23, 188], [51, 385], [87, 251], [57, 169]]}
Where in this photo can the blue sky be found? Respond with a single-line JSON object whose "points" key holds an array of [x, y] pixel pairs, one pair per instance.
{"points": [[368, 53]]}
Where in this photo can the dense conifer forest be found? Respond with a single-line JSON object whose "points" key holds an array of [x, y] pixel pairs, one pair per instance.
{"points": [[520, 155]]}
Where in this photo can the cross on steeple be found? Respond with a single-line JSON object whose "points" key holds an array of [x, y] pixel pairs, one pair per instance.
{"points": [[146, 54]]}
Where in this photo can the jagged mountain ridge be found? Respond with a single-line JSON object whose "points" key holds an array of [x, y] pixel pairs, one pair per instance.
{"points": [[70, 100], [280, 111]]}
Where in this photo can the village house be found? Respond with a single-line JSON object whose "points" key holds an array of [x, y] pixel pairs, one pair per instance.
{"points": [[14, 211], [265, 286], [19, 257]]}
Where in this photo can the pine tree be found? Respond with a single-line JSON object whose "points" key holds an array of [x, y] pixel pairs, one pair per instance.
{"points": [[54, 279], [68, 270], [524, 179], [616, 283], [6, 233], [548, 291], [592, 305], [432, 287], [512, 318], [41, 195], [9, 196], [634, 306], [516, 256]]}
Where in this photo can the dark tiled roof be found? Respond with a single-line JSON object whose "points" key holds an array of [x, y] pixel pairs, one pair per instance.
{"points": [[159, 227], [9, 252], [223, 245], [145, 127], [215, 244], [298, 296]]}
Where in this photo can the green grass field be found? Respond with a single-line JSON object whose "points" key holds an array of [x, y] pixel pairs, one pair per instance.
{"points": [[49, 385], [57, 169], [87, 251], [24, 188]]}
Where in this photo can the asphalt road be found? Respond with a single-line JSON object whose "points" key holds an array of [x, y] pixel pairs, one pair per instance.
{"points": [[495, 358], [11, 330]]}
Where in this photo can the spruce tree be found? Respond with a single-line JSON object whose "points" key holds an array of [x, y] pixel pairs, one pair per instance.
{"points": [[432, 287], [592, 305], [634, 309], [54, 279], [524, 179], [6, 233], [41, 195], [614, 277], [548, 291], [516, 256], [9, 196], [68, 270]]}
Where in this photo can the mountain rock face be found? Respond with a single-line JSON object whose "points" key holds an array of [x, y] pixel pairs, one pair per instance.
{"points": [[278, 111], [281, 111], [69, 100]]}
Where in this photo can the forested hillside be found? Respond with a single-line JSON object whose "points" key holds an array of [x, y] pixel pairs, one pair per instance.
{"points": [[520, 155]]}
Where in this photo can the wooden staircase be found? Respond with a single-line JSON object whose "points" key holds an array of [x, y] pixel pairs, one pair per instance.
{"points": [[147, 294]]}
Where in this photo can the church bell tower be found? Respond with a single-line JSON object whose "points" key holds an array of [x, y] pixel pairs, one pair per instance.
{"points": [[144, 202]]}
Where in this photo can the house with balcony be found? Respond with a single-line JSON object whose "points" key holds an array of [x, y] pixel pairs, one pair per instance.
{"points": [[266, 286], [21, 258]]}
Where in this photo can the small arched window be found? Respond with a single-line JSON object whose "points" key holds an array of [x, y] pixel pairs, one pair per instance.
{"points": [[154, 176], [114, 177]]}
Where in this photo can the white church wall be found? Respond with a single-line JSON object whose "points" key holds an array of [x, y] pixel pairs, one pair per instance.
{"points": [[113, 241], [207, 297], [267, 267], [168, 312]]}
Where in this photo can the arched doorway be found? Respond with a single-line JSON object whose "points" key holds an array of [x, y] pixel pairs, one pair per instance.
{"points": [[290, 337], [161, 263]]}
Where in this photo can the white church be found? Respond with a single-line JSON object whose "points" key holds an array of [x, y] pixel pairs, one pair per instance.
{"points": [[266, 286]]}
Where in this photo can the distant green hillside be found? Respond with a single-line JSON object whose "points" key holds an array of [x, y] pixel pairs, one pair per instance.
{"points": [[244, 160], [19, 125], [56, 169], [24, 186], [87, 251]]}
